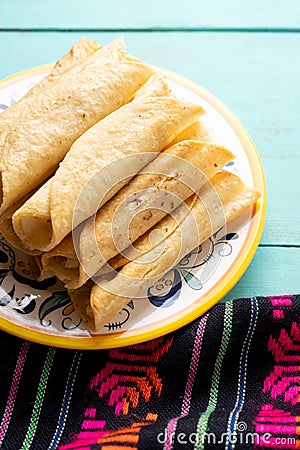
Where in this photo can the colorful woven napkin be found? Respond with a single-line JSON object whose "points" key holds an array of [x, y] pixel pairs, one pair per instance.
{"points": [[229, 380]]}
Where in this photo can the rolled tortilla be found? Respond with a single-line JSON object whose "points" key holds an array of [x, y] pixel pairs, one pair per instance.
{"points": [[74, 58], [196, 132], [221, 200], [39, 204], [62, 260], [39, 132], [156, 85], [160, 187], [78, 54], [99, 164], [7, 230]]}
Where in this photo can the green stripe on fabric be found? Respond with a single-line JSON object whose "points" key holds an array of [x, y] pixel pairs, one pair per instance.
{"points": [[39, 399], [214, 390]]}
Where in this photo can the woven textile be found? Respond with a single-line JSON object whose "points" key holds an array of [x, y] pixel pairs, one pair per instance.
{"points": [[229, 380]]}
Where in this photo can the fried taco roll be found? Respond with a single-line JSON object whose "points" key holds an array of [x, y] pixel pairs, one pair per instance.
{"points": [[36, 133], [222, 199], [8, 232], [157, 85], [99, 164], [62, 259], [196, 132], [73, 59], [157, 190]]}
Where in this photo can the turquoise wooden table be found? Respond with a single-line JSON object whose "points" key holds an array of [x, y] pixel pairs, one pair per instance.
{"points": [[246, 53]]}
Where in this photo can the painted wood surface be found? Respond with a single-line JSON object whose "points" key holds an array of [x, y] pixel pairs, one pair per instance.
{"points": [[273, 271], [134, 14], [256, 73]]}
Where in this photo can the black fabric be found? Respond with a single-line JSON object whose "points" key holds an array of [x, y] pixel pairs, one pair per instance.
{"points": [[229, 380]]}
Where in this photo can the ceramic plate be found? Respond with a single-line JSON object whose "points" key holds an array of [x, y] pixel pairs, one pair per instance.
{"points": [[43, 312]]}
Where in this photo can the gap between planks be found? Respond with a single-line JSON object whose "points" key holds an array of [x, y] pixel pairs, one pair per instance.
{"points": [[154, 30]]}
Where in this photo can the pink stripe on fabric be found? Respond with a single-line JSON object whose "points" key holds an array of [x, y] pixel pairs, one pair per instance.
{"points": [[14, 389], [92, 424], [171, 430], [283, 298], [276, 412], [276, 429], [276, 419], [281, 302], [266, 408], [78, 445], [193, 367], [190, 383], [91, 434], [73, 446]]}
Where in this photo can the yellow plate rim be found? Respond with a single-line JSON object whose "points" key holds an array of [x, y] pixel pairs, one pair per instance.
{"points": [[206, 301]]}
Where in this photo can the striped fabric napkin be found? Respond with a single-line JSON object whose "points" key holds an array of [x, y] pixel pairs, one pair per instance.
{"points": [[229, 380]]}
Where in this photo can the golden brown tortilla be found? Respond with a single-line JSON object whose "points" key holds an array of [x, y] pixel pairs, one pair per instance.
{"points": [[62, 259], [78, 54], [38, 132], [140, 129], [196, 132], [157, 85], [72, 60], [7, 231], [221, 200], [181, 170]]}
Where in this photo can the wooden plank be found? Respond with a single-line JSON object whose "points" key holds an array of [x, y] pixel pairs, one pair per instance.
{"points": [[256, 74], [272, 271], [115, 14]]}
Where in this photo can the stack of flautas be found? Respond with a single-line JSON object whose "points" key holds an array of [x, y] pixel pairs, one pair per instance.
{"points": [[101, 155]]}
